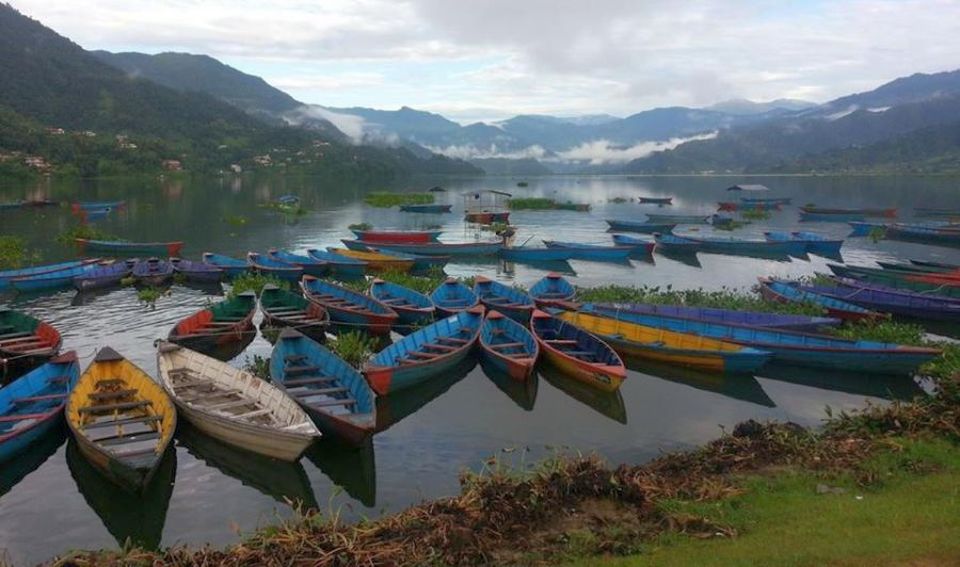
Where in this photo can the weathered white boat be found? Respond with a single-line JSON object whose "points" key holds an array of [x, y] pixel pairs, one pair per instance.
{"points": [[234, 406]]}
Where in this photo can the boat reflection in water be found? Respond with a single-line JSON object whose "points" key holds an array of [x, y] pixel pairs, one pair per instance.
{"points": [[393, 408], [285, 482], [888, 387], [351, 467], [609, 404], [509, 267], [522, 392], [131, 518], [688, 258], [743, 387], [228, 351], [15, 470]]}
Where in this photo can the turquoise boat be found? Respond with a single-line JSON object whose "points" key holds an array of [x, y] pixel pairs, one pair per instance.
{"points": [[7, 275], [32, 406], [735, 246], [425, 355], [310, 266], [638, 245], [350, 308], [413, 307], [551, 290], [536, 254], [232, 267], [815, 243], [640, 226], [506, 299], [333, 393], [51, 281], [817, 351], [678, 219], [508, 346], [594, 252], [126, 248], [339, 264], [268, 266], [784, 292], [452, 297]]}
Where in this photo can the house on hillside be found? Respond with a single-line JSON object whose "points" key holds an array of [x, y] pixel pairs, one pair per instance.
{"points": [[36, 162], [172, 165], [264, 160], [235, 168], [55, 131]]}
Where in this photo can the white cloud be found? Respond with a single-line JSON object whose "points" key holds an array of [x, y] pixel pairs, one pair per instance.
{"points": [[473, 152], [598, 152], [355, 127]]}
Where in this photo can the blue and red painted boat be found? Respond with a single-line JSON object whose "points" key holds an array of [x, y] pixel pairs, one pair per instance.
{"points": [[427, 354], [452, 297], [577, 352], [506, 299], [232, 267], [197, 271], [488, 248], [95, 205], [785, 292], [126, 248], [639, 245], [397, 236], [714, 315], [32, 406], [102, 277], [333, 393], [594, 252], [268, 266], [338, 264], [348, 307], [152, 271], [50, 281], [413, 307], [310, 266], [508, 346], [552, 290]]}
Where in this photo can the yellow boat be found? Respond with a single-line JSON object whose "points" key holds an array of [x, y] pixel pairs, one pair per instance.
{"points": [[122, 420], [377, 261], [640, 341]]}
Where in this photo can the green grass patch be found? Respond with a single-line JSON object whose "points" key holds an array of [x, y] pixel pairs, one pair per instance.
{"points": [[723, 298], [14, 254], [384, 199], [531, 204], [84, 231], [755, 214], [258, 365], [236, 220], [254, 283], [355, 347], [149, 295]]}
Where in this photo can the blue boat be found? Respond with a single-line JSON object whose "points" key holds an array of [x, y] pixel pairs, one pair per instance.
{"points": [[734, 246], [715, 315], [892, 300], [767, 200], [430, 353], [640, 226], [348, 307], [678, 218], [535, 254], [452, 297], [7, 275], [232, 267], [105, 276], [818, 351], [59, 279], [508, 346], [506, 299], [420, 263], [815, 243], [674, 243], [268, 266], [95, 205], [413, 307], [333, 393], [488, 248], [310, 266], [821, 217], [32, 405], [784, 292], [426, 208], [197, 271], [152, 271], [639, 245], [594, 252], [339, 264], [927, 232], [552, 290]]}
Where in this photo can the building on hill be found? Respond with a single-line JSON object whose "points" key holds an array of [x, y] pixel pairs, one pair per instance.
{"points": [[55, 131], [172, 165], [264, 160], [235, 168], [36, 162]]}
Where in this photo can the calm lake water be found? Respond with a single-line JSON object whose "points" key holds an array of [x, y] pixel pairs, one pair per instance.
{"points": [[210, 492]]}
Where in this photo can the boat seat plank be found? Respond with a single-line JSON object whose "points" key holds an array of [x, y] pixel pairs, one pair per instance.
{"points": [[328, 403], [517, 354], [560, 341], [127, 439], [506, 345], [116, 407], [208, 395], [32, 351], [254, 413], [420, 354], [135, 453], [453, 340], [21, 343], [294, 357], [308, 381], [144, 419], [445, 348], [100, 396], [300, 369], [110, 382], [309, 393], [44, 398], [15, 335], [232, 404], [58, 380], [579, 353], [21, 417]]}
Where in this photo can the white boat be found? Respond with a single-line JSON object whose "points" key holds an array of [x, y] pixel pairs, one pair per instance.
{"points": [[234, 406]]}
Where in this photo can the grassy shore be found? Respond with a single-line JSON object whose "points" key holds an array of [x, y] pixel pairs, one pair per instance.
{"points": [[386, 200], [875, 487]]}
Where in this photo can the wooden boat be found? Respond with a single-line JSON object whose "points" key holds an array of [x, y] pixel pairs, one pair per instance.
{"points": [[397, 236], [595, 252], [784, 292], [506, 299], [896, 280], [640, 226], [101, 277], [152, 271], [348, 307], [813, 210], [412, 307], [815, 243], [25, 341], [31, 406], [818, 351], [7, 275], [677, 219], [830, 217], [339, 264], [234, 406], [420, 263], [428, 353], [452, 297], [730, 245], [196, 271], [482, 248], [552, 290], [577, 352], [904, 231], [222, 323], [331, 391], [50, 281], [487, 217], [535, 254], [655, 200], [282, 308], [627, 311], [638, 245], [376, 261], [426, 208], [122, 420], [91, 205], [508, 346], [310, 266], [767, 200], [936, 213], [891, 300], [232, 267], [125, 248], [268, 266], [661, 345]]}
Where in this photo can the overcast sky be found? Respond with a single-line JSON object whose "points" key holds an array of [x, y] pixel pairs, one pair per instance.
{"points": [[489, 59]]}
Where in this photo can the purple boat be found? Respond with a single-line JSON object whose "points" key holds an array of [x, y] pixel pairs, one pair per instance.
{"points": [[197, 271], [105, 276], [892, 300], [153, 271], [716, 315]]}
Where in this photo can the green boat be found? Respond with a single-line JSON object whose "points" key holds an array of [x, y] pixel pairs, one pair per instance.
{"points": [[893, 278]]}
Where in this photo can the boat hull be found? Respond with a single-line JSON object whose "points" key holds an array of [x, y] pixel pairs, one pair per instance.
{"points": [[444, 249], [641, 227], [396, 237], [121, 248], [485, 217]]}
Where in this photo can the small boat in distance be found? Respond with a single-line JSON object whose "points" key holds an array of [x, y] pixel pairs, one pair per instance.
{"points": [[677, 219], [376, 261], [508, 346], [481, 248], [815, 243], [551, 290], [126, 248], [655, 200], [268, 266], [577, 352], [452, 297], [639, 245], [310, 266], [232, 267], [196, 271], [814, 210], [592, 252], [640, 226], [426, 208]]}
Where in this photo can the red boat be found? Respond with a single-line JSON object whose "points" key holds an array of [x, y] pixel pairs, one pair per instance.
{"points": [[397, 236], [487, 217]]}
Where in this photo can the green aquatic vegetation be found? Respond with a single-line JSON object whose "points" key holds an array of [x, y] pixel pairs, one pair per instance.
{"points": [[360, 226], [883, 330], [254, 283], [755, 214], [236, 220], [384, 199], [424, 283], [522, 184], [14, 254], [730, 226], [86, 231], [150, 295], [877, 234], [355, 347], [723, 298], [257, 365], [127, 281], [531, 204], [618, 200]]}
